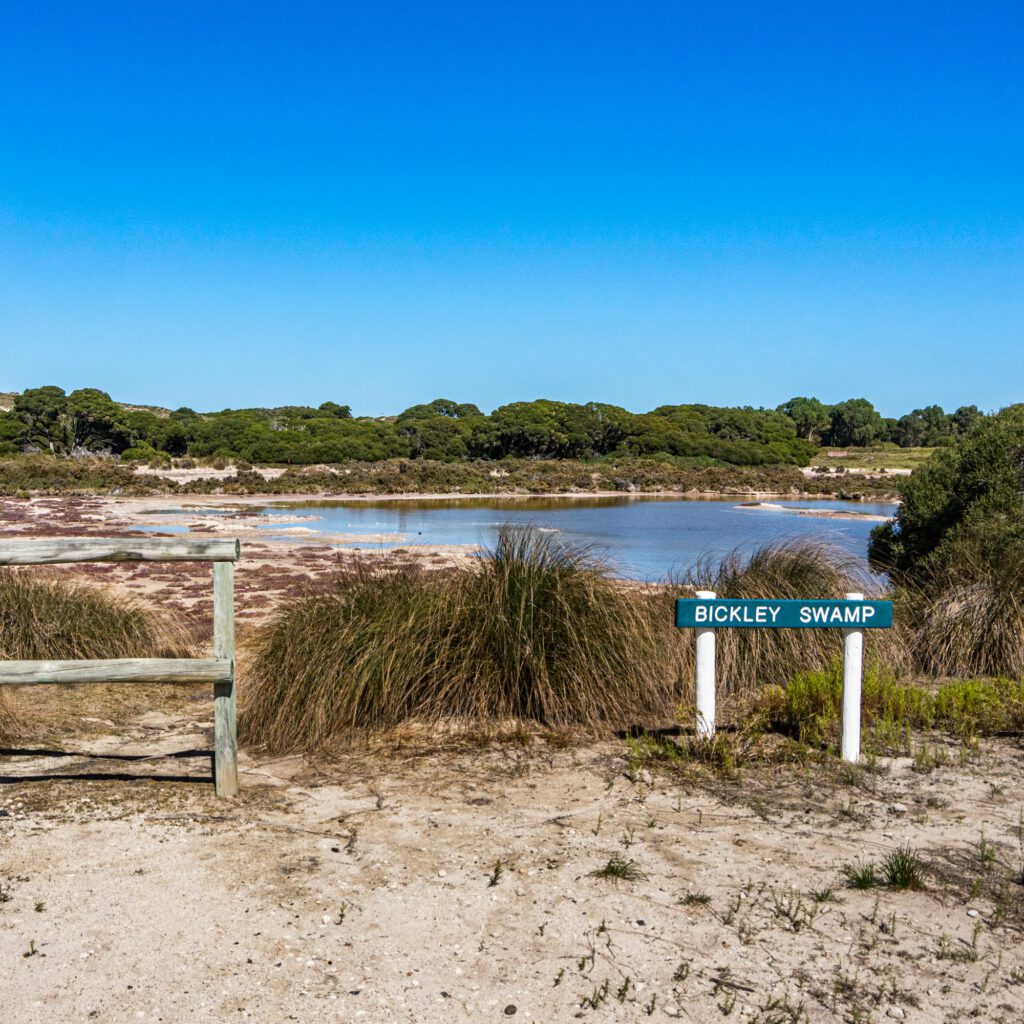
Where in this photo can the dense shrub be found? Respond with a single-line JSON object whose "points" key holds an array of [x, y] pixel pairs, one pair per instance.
{"points": [[963, 509]]}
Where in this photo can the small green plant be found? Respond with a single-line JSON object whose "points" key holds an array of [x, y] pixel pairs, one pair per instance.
{"points": [[861, 874], [696, 899], [964, 953], [777, 1010], [987, 854], [826, 895], [619, 870], [495, 875], [903, 869], [596, 998], [40, 906], [790, 907]]}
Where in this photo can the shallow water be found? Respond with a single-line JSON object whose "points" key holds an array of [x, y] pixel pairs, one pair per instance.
{"points": [[644, 538]]}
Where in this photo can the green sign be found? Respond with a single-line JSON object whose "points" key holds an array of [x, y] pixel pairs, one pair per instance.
{"points": [[718, 613]]}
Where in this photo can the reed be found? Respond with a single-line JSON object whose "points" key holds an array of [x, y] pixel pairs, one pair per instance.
{"points": [[969, 619]]}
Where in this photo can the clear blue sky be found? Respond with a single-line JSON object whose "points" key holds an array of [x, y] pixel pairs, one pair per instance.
{"points": [[224, 204]]}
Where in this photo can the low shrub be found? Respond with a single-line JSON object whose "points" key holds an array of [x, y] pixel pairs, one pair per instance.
{"points": [[810, 708]]}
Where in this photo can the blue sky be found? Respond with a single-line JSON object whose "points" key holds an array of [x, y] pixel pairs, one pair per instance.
{"points": [[225, 204]]}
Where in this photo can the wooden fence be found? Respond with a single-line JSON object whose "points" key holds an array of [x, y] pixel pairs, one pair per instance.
{"points": [[218, 670]]}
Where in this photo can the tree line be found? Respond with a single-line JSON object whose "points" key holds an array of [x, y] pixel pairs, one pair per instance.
{"points": [[88, 421]]}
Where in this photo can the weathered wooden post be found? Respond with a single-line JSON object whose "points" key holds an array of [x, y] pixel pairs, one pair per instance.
{"points": [[853, 671], [219, 670], [705, 685], [225, 738]]}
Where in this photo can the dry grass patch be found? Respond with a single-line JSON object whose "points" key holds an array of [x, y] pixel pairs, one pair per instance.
{"points": [[51, 619]]}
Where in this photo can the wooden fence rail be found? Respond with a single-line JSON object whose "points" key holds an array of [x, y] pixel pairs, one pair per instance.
{"points": [[218, 670]]}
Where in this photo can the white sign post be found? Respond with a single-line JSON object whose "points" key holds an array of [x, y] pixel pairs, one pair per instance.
{"points": [[853, 672], [705, 675]]}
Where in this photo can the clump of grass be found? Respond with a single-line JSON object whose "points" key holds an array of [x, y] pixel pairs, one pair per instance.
{"points": [[54, 619], [861, 874], [748, 659], [537, 631], [903, 869], [900, 869], [8, 717], [969, 619], [619, 870], [696, 899]]}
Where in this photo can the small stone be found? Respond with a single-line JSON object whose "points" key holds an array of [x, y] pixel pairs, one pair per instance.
{"points": [[897, 808], [896, 1012], [510, 1010], [672, 1010], [442, 874], [973, 913]]}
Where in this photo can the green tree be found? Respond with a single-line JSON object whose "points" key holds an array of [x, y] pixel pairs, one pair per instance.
{"points": [[922, 428], [854, 422], [964, 419], [810, 416], [86, 420], [12, 433], [968, 497]]}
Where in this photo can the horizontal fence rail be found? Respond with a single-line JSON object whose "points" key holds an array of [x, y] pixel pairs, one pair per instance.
{"points": [[58, 550], [116, 670], [218, 670]]}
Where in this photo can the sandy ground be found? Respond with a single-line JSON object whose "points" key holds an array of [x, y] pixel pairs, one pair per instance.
{"points": [[368, 887]]}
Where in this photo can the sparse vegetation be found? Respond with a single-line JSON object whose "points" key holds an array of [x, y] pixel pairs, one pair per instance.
{"points": [[619, 870]]}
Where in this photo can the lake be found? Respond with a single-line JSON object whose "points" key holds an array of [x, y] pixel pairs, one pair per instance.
{"points": [[645, 538]]}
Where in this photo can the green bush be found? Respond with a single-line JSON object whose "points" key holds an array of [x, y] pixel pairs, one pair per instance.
{"points": [[809, 708]]}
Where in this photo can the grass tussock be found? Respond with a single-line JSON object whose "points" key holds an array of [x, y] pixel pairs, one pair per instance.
{"points": [[56, 620], [970, 620], [748, 659], [536, 632]]}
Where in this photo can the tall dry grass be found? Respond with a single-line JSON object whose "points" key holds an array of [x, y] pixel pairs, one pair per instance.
{"points": [[748, 659], [537, 632], [969, 620], [53, 619]]}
